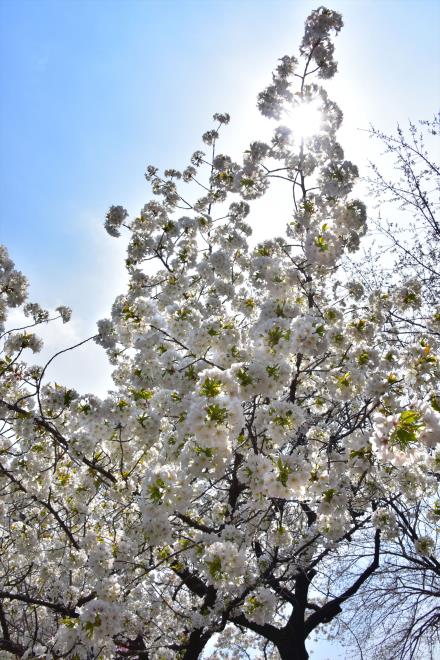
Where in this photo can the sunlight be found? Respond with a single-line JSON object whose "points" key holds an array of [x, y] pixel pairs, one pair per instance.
{"points": [[305, 120]]}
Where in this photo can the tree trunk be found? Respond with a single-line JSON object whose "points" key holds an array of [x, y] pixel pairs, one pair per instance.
{"points": [[196, 644], [292, 649]]}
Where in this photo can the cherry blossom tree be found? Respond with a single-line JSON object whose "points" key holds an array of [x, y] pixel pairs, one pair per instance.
{"points": [[234, 486]]}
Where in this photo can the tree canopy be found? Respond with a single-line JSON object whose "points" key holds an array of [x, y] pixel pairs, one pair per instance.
{"points": [[273, 427]]}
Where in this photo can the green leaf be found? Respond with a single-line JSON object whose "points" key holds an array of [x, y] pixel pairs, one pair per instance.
{"points": [[409, 417], [145, 395], [215, 568], [328, 494], [283, 472], [403, 438], [211, 387], [244, 377], [274, 336], [321, 243], [363, 358], [204, 451], [216, 413]]}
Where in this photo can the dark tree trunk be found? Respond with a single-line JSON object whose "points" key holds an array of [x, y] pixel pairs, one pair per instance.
{"points": [[196, 644], [292, 649]]}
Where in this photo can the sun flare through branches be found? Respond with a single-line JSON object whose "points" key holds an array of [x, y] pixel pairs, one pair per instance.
{"points": [[305, 120]]}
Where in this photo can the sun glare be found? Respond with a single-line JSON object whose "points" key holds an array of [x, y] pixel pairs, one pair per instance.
{"points": [[305, 120]]}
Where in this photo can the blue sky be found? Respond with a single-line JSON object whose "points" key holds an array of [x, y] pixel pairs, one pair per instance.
{"points": [[94, 90]]}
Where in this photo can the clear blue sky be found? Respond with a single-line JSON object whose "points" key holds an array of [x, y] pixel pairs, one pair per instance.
{"points": [[94, 90]]}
